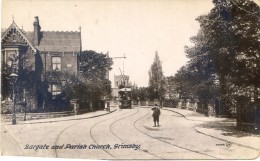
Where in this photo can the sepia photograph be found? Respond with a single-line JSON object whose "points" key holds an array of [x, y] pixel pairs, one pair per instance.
{"points": [[130, 79]]}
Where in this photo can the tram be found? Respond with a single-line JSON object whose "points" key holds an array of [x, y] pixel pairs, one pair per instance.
{"points": [[125, 98]]}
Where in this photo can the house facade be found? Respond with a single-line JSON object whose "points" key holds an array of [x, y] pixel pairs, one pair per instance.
{"points": [[33, 54]]}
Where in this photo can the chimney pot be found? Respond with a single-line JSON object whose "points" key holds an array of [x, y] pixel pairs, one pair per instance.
{"points": [[36, 19]]}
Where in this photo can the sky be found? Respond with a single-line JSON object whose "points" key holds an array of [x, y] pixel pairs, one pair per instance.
{"points": [[136, 29]]}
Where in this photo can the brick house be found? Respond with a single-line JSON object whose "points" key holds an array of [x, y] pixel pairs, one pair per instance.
{"points": [[39, 52]]}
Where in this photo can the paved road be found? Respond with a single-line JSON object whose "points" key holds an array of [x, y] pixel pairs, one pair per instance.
{"points": [[124, 134]]}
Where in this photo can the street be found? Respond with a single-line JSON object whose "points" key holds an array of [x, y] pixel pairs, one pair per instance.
{"points": [[123, 134]]}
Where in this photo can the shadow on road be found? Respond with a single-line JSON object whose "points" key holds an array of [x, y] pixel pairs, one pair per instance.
{"points": [[228, 128]]}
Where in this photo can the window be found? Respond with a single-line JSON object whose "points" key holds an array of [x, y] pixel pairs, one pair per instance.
{"points": [[55, 90], [10, 56], [56, 63]]}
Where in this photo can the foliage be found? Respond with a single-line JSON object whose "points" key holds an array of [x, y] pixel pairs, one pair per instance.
{"points": [[26, 88], [171, 92], [140, 93], [135, 92], [230, 34], [95, 67], [224, 60], [23, 87], [156, 79], [4, 81], [91, 83], [144, 93]]}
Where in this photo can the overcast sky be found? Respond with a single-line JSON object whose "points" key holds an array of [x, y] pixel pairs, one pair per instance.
{"points": [[134, 28]]}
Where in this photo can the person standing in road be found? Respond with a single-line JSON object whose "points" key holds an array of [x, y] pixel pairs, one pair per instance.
{"points": [[156, 115]]}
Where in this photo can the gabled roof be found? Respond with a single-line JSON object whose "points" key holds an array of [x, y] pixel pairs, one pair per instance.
{"points": [[13, 25], [50, 41], [3, 30], [59, 41]]}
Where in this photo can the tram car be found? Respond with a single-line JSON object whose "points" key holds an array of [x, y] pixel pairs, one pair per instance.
{"points": [[125, 98]]}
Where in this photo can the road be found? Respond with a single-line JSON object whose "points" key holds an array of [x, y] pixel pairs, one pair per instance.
{"points": [[123, 134]]}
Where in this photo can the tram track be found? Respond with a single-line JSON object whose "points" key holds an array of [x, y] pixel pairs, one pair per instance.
{"points": [[90, 132], [240, 145], [92, 136], [111, 125], [58, 137], [175, 145], [61, 132]]}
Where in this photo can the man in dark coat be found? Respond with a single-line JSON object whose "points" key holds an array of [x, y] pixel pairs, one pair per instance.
{"points": [[156, 114]]}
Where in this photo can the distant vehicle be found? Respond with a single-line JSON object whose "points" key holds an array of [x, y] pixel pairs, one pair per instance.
{"points": [[125, 98]]}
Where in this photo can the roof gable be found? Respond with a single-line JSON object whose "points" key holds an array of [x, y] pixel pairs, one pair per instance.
{"points": [[50, 41], [14, 28]]}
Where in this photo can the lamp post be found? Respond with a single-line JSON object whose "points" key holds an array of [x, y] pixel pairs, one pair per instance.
{"points": [[13, 78], [24, 102]]}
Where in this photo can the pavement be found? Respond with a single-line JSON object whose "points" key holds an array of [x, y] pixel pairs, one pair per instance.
{"points": [[10, 139], [68, 118], [220, 128]]}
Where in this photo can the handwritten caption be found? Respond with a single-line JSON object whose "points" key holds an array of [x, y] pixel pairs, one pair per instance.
{"points": [[83, 146]]}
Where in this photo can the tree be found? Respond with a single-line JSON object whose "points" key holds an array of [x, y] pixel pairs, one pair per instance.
{"points": [[200, 70], [143, 94], [156, 79], [183, 83], [95, 67], [233, 26], [171, 88], [226, 49], [91, 83], [135, 92], [24, 85]]}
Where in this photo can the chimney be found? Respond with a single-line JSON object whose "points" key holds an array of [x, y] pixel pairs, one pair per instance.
{"points": [[36, 32]]}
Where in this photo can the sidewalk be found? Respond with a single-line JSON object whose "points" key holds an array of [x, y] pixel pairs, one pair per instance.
{"points": [[195, 116], [67, 118], [220, 128], [15, 137]]}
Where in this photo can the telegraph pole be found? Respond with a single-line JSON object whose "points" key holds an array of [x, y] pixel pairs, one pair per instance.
{"points": [[118, 57]]}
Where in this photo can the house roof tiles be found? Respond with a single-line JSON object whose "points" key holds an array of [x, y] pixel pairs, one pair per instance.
{"points": [[55, 41], [59, 41]]}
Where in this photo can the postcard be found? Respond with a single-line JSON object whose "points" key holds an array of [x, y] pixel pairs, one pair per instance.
{"points": [[130, 80]]}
